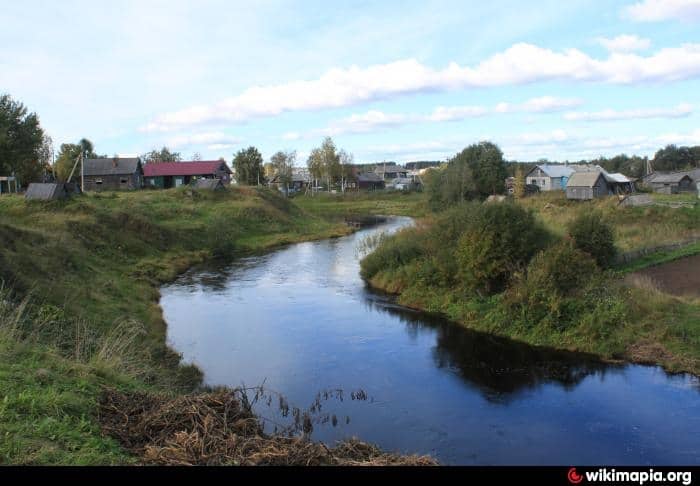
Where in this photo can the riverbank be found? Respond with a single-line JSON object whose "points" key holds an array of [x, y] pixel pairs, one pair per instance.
{"points": [[603, 313], [80, 306]]}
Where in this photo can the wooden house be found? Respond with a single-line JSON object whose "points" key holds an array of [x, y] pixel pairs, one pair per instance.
{"points": [[111, 174], [164, 175]]}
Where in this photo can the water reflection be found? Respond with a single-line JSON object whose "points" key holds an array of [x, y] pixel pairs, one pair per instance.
{"points": [[500, 368], [302, 321]]}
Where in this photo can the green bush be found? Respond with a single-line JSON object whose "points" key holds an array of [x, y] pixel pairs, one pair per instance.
{"points": [[594, 236], [499, 240], [392, 252], [560, 269]]}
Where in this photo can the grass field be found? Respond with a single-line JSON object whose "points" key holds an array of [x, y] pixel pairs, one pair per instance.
{"points": [[86, 272]]}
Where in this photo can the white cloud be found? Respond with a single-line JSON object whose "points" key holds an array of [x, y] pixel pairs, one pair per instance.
{"points": [[455, 113], [374, 120], [543, 104], [624, 43], [558, 136], [291, 136], [692, 138], [657, 10], [520, 64], [679, 111], [212, 140]]}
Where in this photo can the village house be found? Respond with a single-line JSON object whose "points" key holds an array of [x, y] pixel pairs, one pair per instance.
{"points": [[164, 175], [110, 174], [370, 181], [301, 179], [587, 185], [549, 177], [673, 182], [389, 172]]}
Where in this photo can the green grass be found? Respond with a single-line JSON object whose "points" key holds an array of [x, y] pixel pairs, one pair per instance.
{"points": [[339, 206], [635, 227], [91, 268], [660, 257]]}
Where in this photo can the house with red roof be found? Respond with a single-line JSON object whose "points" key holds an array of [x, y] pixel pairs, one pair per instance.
{"points": [[165, 175]]}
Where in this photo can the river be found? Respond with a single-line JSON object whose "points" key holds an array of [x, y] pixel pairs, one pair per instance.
{"points": [[301, 321]]}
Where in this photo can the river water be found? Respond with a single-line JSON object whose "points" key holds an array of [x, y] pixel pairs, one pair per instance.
{"points": [[301, 322]]}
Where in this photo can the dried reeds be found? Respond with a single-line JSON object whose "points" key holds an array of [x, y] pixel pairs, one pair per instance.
{"points": [[218, 429]]}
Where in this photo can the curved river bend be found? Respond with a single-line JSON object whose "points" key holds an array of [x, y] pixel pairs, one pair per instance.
{"points": [[301, 320]]}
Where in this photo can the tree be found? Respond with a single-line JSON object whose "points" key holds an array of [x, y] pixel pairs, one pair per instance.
{"points": [[499, 241], [519, 190], [485, 160], [324, 162], [594, 236], [346, 162], [21, 141], [197, 156], [162, 155], [282, 168], [69, 153], [672, 158], [248, 164]]}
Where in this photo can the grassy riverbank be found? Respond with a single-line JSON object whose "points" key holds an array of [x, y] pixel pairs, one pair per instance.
{"points": [[86, 272], [548, 293]]}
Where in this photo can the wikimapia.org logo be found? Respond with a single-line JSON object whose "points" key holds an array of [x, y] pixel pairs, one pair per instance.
{"points": [[637, 477]]}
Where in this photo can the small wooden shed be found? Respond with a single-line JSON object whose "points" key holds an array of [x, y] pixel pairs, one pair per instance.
{"points": [[587, 185], [208, 185], [46, 191]]}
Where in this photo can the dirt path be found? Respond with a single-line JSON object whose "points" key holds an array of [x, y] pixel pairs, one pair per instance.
{"points": [[680, 277]]}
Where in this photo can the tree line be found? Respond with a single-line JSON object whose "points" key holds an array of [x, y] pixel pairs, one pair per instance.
{"points": [[479, 170]]}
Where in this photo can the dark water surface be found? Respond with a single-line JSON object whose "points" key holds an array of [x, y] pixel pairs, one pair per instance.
{"points": [[301, 320]]}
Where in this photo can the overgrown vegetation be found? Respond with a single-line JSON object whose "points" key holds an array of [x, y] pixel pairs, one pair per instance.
{"points": [[502, 268]]}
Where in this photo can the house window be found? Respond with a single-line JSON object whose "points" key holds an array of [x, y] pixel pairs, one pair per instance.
{"points": [[123, 180], [98, 181]]}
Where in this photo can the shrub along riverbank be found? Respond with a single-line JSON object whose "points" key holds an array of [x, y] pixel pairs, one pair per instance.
{"points": [[540, 271], [79, 308]]}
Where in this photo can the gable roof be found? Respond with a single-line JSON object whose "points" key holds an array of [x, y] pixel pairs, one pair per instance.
{"points": [[369, 177], [554, 170], [584, 179], [111, 166], [183, 168], [672, 178]]}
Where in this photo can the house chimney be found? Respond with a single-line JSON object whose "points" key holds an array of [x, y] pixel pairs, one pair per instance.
{"points": [[115, 161]]}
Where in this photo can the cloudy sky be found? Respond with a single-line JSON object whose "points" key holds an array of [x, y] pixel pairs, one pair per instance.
{"points": [[387, 80]]}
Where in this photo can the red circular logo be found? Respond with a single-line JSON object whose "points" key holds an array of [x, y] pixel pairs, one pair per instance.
{"points": [[573, 476]]}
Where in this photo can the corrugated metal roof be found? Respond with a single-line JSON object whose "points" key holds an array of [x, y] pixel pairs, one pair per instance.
{"points": [[583, 179], [617, 177], [183, 168], [209, 184], [556, 170], [111, 166], [45, 192]]}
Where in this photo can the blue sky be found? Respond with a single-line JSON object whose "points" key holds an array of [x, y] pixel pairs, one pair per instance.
{"points": [[387, 80]]}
